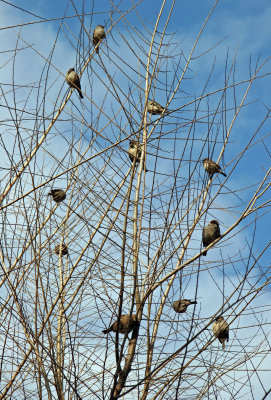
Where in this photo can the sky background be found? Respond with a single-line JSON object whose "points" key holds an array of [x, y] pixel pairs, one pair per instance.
{"points": [[242, 26]]}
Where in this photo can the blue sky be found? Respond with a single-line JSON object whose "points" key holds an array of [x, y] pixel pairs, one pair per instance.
{"points": [[244, 27]]}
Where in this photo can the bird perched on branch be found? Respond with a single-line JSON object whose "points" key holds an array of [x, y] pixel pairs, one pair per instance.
{"points": [[181, 305], [135, 152], [126, 324], [58, 195], [210, 233], [221, 330], [73, 80], [98, 35], [211, 167], [61, 250], [155, 108]]}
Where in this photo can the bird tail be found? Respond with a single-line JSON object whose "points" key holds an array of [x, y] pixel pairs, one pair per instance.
{"points": [[106, 330], [204, 253], [80, 94], [97, 50], [223, 173], [223, 344], [193, 302]]}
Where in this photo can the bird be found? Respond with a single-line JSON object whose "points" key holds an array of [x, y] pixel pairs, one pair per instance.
{"points": [[210, 233], [181, 305], [155, 108], [73, 80], [211, 167], [57, 194], [221, 330], [126, 324], [98, 35], [61, 250], [135, 152]]}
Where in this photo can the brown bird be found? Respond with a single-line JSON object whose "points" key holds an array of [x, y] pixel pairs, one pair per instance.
{"points": [[221, 330], [98, 35], [210, 233], [181, 305], [126, 324], [211, 167], [135, 152], [155, 108], [61, 250], [73, 80], [58, 195]]}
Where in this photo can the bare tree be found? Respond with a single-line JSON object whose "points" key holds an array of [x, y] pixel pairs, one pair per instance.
{"points": [[121, 241]]}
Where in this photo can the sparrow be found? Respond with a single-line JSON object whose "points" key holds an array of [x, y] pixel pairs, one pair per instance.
{"points": [[155, 108], [98, 35], [61, 250], [126, 324], [180, 306], [58, 195], [211, 167], [210, 233], [73, 80], [221, 330], [135, 152]]}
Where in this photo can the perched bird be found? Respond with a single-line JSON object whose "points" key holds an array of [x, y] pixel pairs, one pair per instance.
{"points": [[135, 152], [126, 324], [98, 34], [181, 305], [73, 80], [61, 250], [155, 108], [58, 195], [221, 330], [211, 167], [210, 233]]}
